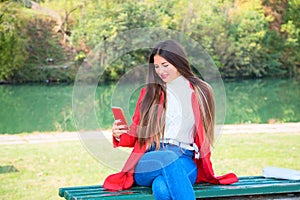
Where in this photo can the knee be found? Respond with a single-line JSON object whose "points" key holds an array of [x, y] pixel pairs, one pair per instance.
{"points": [[160, 189]]}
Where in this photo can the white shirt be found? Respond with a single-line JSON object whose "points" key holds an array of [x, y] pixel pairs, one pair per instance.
{"points": [[179, 113]]}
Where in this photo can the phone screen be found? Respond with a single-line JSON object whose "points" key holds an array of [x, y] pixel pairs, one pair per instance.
{"points": [[119, 115]]}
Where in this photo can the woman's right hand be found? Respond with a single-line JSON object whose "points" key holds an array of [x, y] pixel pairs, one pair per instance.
{"points": [[118, 130]]}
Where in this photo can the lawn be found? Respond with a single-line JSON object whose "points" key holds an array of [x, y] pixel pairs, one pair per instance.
{"points": [[36, 171]]}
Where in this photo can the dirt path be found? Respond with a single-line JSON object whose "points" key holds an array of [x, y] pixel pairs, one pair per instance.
{"points": [[33, 138]]}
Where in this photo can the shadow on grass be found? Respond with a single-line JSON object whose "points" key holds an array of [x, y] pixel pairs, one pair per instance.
{"points": [[8, 169]]}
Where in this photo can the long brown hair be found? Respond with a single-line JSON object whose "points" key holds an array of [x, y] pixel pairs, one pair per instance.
{"points": [[152, 110]]}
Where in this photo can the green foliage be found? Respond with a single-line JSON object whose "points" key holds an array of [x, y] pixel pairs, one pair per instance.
{"points": [[13, 41], [238, 35], [42, 43], [27, 42], [291, 30], [103, 20], [248, 28]]}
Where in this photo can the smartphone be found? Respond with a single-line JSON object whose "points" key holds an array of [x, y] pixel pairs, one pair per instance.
{"points": [[119, 115]]}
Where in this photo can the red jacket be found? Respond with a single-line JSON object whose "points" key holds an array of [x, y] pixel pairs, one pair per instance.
{"points": [[124, 179]]}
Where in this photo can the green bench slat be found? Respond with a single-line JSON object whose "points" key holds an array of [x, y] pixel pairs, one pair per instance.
{"points": [[96, 194], [248, 185], [264, 189]]}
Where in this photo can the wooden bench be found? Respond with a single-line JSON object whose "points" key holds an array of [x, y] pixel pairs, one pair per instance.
{"points": [[254, 186]]}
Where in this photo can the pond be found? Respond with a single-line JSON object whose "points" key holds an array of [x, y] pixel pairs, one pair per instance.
{"points": [[45, 108]]}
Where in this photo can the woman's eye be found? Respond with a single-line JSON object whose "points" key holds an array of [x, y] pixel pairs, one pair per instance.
{"points": [[157, 66]]}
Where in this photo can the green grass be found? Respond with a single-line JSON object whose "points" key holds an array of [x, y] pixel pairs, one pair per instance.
{"points": [[248, 154], [44, 168]]}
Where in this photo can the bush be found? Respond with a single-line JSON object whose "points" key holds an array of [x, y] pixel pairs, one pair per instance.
{"points": [[13, 41]]}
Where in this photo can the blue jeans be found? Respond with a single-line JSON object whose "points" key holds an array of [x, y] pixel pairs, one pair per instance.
{"points": [[170, 171]]}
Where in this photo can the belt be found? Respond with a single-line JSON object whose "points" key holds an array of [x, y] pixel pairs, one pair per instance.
{"points": [[180, 144]]}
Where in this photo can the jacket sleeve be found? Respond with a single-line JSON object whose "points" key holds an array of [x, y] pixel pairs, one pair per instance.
{"points": [[129, 139]]}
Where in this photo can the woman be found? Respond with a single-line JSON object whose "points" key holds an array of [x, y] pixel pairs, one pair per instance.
{"points": [[171, 131]]}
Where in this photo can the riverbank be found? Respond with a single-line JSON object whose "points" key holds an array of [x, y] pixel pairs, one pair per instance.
{"points": [[38, 137]]}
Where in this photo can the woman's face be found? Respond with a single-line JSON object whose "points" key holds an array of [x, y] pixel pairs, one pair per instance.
{"points": [[165, 70]]}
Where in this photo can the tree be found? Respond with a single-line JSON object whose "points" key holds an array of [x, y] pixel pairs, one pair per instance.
{"points": [[13, 41], [291, 33], [104, 20]]}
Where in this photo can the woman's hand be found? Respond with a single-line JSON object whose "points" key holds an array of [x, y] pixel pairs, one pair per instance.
{"points": [[118, 130]]}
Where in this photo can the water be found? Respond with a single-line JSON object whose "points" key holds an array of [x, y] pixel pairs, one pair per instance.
{"points": [[44, 108], [263, 101]]}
